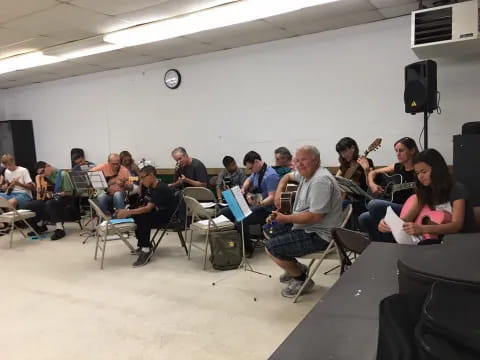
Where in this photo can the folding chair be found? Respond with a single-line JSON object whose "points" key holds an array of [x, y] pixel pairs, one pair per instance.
{"points": [[174, 225], [349, 241], [321, 255], [12, 216], [202, 195], [107, 231], [199, 226]]}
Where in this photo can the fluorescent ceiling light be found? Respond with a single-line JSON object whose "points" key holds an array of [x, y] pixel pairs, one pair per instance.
{"points": [[89, 51], [26, 61], [217, 17]]}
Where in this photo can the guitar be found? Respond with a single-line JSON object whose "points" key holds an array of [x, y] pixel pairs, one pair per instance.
{"points": [[287, 198], [392, 185], [427, 216], [44, 189], [352, 170]]}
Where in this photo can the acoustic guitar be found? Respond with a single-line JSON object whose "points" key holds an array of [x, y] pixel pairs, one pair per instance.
{"points": [[354, 169], [427, 216], [44, 189], [287, 198], [392, 185]]}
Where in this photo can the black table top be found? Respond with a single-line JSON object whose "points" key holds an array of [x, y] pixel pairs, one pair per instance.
{"points": [[344, 323]]}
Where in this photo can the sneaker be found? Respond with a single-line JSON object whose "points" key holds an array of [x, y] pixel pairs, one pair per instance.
{"points": [[38, 229], [286, 277], [136, 251], [143, 258], [294, 287], [58, 234]]}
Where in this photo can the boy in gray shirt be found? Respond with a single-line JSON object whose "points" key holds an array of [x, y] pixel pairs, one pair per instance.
{"points": [[317, 209]]}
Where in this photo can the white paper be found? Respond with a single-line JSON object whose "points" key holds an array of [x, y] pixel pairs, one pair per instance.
{"points": [[396, 225], [207, 205], [97, 179], [219, 220], [237, 193]]}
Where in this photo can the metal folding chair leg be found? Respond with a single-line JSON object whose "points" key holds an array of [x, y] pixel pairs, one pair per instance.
{"points": [[313, 267]]}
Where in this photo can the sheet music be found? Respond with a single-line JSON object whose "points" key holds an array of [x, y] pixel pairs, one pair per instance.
{"points": [[207, 205], [219, 221], [98, 180], [396, 225], [237, 194]]}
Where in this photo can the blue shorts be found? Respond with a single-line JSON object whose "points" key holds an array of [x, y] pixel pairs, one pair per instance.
{"points": [[290, 244], [22, 198]]}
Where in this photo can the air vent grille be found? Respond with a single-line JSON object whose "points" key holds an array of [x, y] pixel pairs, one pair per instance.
{"points": [[433, 26]]}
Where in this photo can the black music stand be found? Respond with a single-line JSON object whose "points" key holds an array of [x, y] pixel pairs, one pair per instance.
{"points": [[352, 188]]}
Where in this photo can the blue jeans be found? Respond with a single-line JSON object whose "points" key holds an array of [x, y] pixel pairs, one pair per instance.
{"points": [[108, 203], [368, 221], [22, 198]]}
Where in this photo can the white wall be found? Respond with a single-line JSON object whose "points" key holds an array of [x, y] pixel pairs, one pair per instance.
{"points": [[313, 89]]}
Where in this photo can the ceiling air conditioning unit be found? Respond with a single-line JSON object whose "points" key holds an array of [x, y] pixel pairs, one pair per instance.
{"points": [[446, 31]]}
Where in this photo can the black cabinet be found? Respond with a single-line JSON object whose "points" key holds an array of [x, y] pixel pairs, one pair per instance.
{"points": [[16, 138], [466, 163]]}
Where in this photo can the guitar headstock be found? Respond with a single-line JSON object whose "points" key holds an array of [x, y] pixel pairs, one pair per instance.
{"points": [[373, 146]]}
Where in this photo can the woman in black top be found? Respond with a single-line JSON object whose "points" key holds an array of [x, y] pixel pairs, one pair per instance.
{"points": [[356, 168], [348, 156], [405, 149], [436, 189]]}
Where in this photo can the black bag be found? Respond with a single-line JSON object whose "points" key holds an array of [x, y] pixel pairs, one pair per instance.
{"points": [[449, 326], [226, 250], [446, 328], [396, 339]]}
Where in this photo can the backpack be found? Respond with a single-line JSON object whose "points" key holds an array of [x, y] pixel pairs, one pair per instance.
{"points": [[225, 249], [446, 328]]}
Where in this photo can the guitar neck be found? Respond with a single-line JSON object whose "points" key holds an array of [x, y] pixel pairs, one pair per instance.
{"points": [[404, 186]]}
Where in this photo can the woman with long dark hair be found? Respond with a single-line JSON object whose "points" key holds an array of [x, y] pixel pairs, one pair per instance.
{"points": [[348, 156], [405, 149], [436, 190]]}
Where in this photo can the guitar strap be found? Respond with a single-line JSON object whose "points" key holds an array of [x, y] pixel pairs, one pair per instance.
{"points": [[58, 181], [261, 174]]}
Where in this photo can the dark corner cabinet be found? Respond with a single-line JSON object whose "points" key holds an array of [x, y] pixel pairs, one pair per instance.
{"points": [[16, 138], [466, 163]]}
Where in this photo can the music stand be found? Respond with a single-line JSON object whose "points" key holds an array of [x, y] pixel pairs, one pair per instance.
{"points": [[352, 188], [86, 182], [240, 210]]}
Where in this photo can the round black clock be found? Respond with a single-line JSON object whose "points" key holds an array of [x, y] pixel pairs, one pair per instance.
{"points": [[172, 78]]}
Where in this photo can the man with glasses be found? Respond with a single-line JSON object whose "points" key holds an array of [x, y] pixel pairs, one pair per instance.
{"points": [[160, 203], [117, 178], [52, 210], [262, 182]]}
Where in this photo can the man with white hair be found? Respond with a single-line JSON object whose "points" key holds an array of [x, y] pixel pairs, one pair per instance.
{"points": [[317, 209]]}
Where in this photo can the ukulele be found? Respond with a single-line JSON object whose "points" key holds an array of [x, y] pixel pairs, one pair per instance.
{"points": [[354, 169], [427, 216]]}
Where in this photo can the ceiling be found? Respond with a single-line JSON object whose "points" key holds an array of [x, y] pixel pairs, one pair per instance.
{"points": [[30, 25]]}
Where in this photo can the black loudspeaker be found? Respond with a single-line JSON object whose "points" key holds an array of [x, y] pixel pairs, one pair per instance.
{"points": [[471, 128], [16, 138], [466, 153], [420, 87]]}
